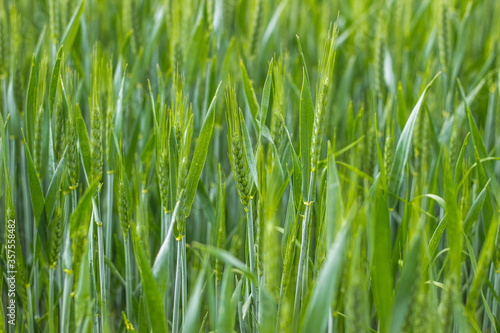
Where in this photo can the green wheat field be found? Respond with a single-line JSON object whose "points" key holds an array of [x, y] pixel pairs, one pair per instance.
{"points": [[249, 166]]}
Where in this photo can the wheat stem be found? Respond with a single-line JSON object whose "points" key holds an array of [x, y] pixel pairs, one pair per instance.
{"points": [[184, 279], [51, 301], [102, 269], [128, 277], [90, 260], [67, 265], [177, 287], [31, 317], [303, 250], [109, 224], [251, 254]]}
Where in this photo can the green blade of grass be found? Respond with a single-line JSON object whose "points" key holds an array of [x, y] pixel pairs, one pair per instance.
{"points": [[37, 197], [455, 227], [118, 114], [381, 271], [250, 158], [229, 259], [160, 268], [154, 299], [250, 95], [31, 105], [200, 153], [83, 140], [406, 283], [334, 212], [306, 128], [403, 148], [54, 79], [69, 35], [475, 210], [55, 183], [483, 264], [81, 214], [266, 94], [480, 147], [325, 289], [194, 305], [459, 165]]}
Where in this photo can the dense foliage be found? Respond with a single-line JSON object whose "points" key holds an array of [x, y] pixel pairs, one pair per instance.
{"points": [[250, 165]]}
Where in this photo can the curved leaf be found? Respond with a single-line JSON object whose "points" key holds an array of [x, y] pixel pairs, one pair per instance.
{"points": [[487, 252], [475, 209], [250, 158], [458, 167], [381, 272], [31, 105], [200, 153], [37, 198], [403, 148], [228, 258], [54, 79], [55, 183], [160, 268], [406, 283], [68, 38], [266, 94], [325, 289], [154, 299], [83, 210], [250, 94], [193, 308], [83, 139]]}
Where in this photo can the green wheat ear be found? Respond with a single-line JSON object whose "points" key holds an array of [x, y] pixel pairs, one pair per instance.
{"points": [[324, 78], [96, 120], [123, 205], [444, 33], [37, 147], [237, 156], [379, 53], [54, 20], [163, 178], [56, 237], [181, 189], [256, 26], [59, 128], [78, 245]]}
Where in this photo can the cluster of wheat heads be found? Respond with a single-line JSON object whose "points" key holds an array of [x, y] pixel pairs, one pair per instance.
{"points": [[249, 166]]}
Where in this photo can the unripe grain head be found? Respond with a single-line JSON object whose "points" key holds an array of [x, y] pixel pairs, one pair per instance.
{"points": [[96, 122], [163, 178], [59, 127], [56, 237], [237, 156], [123, 206], [324, 78]]}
